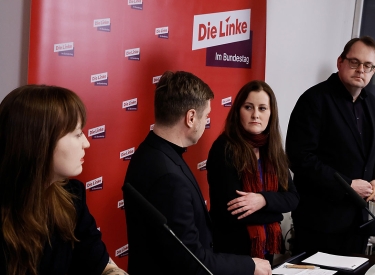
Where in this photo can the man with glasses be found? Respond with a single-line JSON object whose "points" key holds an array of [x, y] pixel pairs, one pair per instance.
{"points": [[332, 130]]}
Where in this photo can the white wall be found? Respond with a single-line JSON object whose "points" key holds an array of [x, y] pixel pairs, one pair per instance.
{"points": [[304, 39], [14, 44]]}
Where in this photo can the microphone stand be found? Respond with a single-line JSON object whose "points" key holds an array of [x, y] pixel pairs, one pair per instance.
{"points": [[187, 249], [354, 196], [372, 215]]}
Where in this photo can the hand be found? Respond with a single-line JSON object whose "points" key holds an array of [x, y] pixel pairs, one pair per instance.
{"points": [[362, 187], [372, 196], [262, 267], [247, 203], [114, 271]]}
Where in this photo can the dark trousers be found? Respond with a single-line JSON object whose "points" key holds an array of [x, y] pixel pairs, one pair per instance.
{"points": [[343, 243]]}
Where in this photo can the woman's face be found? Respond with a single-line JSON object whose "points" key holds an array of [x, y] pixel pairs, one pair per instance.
{"points": [[255, 112], [69, 153]]}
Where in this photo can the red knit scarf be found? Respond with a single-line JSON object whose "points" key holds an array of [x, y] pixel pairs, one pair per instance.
{"points": [[264, 238]]}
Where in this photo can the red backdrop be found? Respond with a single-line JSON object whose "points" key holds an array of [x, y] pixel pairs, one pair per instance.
{"points": [[85, 46]]}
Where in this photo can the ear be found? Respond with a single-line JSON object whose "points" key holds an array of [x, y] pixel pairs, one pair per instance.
{"points": [[339, 62], [190, 117]]}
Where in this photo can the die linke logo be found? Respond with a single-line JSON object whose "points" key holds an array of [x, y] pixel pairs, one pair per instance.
{"points": [[97, 132], [162, 32], [227, 37], [220, 28], [122, 251], [120, 204], [136, 4], [156, 79], [133, 54], [127, 154], [64, 49], [130, 105], [208, 123], [202, 165], [226, 102], [95, 184], [103, 25], [100, 79]]}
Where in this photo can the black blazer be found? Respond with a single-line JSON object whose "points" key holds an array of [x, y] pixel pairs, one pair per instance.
{"points": [[230, 233], [160, 174], [322, 139]]}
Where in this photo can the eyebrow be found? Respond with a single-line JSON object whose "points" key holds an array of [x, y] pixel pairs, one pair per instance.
{"points": [[360, 60]]}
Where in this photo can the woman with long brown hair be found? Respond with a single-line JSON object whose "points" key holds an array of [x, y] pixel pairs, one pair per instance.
{"points": [[249, 181], [46, 227]]}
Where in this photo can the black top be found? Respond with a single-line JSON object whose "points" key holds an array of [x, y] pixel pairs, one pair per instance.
{"points": [[158, 172], [230, 234], [89, 255], [324, 138]]}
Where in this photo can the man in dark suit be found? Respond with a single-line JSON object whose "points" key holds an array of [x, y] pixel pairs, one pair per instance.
{"points": [[332, 129], [158, 171]]}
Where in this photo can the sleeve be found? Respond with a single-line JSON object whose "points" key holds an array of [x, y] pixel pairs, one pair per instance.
{"points": [[282, 201], [223, 182], [90, 255], [302, 143], [173, 196]]}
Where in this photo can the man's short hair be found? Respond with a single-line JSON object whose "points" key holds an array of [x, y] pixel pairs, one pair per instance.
{"points": [[367, 40], [178, 92]]}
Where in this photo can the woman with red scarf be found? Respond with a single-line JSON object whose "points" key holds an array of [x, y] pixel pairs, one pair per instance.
{"points": [[248, 176]]}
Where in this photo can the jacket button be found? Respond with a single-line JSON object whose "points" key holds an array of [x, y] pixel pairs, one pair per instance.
{"points": [[212, 245]]}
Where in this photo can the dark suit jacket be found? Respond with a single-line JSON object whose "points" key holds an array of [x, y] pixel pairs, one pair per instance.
{"points": [[160, 174], [230, 233], [322, 139]]}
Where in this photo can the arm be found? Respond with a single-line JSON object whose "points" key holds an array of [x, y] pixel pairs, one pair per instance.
{"points": [[279, 202], [178, 200], [223, 182], [90, 255], [310, 145]]}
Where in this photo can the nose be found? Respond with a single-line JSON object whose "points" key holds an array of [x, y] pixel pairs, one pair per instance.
{"points": [[86, 143], [255, 114], [360, 68]]}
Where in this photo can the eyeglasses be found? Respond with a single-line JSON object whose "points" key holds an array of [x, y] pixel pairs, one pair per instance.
{"points": [[354, 64]]}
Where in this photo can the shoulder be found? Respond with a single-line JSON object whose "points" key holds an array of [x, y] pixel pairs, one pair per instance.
{"points": [[219, 143], [219, 153], [75, 187], [315, 98]]}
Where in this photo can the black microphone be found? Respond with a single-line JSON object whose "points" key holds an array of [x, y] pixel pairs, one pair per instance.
{"points": [[359, 202], [146, 209]]}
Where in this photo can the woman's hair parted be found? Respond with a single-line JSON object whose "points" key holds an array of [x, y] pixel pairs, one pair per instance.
{"points": [[241, 151], [32, 120]]}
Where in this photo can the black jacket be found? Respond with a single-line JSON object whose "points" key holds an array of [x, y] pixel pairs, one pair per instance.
{"points": [[160, 174], [230, 234], [322, 139]]}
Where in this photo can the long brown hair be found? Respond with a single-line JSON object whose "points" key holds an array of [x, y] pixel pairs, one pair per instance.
{"points": [[32, 119], [242, 153]]}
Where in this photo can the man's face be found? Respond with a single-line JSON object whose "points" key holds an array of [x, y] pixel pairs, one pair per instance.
{"points": [[356, 79]]}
